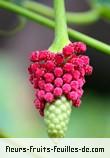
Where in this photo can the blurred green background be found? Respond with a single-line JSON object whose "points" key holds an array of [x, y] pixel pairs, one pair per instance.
{"points": [[18, 116]]}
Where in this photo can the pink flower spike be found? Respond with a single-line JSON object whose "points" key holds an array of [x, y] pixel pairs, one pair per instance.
{"points": [[50, 56], [73, 95], [53, 74], [50, 65], [43, 55], [41, 94], [72, 58], [76, 74], [77, 103], [49, 77], [67, 78], [39, 72], [83, 47], [58, 71], [74, 85], [88, 70], [68, 67], [66, 88], [67, 51], [34, 56], [37, 103], [35, 83], [81, 82], [48, 87], [82, 71], [34, 67], [57, 92], [85, 59], [80, 93], [58, 82], [59, 59], [78, 62], [41, 84], [49, 97], [79, 47]]}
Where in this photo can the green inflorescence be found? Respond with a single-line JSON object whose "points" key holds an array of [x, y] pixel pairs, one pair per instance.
{"points": [[56, 117]]}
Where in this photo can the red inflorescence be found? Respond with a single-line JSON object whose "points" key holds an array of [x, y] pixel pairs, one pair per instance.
{"points": [[54, 75], [66, 88], [57, 92], [58, 82], [68, 50]]}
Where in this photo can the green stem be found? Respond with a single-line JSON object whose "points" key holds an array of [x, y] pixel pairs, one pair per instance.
{"points": [[61, 34], [105, 12], [82, 18], [26, 13], [103, 47]]}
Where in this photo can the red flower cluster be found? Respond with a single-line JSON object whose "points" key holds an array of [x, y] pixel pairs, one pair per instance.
{"points": [[54, 75]]}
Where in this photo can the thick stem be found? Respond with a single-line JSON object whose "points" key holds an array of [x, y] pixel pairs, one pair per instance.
{"points": [[61, 34], [82, 18], [101, 46]]}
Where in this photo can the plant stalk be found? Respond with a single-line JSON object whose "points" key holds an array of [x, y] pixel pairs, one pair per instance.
{"points": [[82, 18], [61, 34], [101, 46]]}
